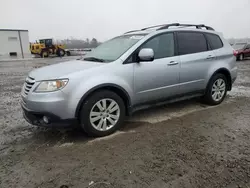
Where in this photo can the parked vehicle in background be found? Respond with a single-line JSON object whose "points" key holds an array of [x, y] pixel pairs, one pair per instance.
{"points": [[138, 69], [46, 47], [242, 50], [77, 52]]}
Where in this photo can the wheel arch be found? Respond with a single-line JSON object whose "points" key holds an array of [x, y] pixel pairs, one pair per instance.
{"points": [[225, 72], [112, 87]]}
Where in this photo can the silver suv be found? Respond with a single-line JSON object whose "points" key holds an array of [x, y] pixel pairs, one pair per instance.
{"points": [[163, 63]]}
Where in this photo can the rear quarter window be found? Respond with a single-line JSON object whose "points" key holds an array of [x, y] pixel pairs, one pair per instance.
{"points": [[214, 41]]}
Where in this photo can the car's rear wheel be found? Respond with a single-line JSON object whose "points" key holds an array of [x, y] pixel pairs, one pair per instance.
{"points": [[102, 113], [216, 90]]}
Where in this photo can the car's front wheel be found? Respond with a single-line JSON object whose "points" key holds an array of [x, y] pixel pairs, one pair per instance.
{"points": [[241, 57], [216, 89], [102, 113]]}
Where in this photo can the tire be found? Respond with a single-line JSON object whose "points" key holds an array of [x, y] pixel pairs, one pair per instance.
{"points": [[60, 52], [211, 90], [44, 54], [241, 57], [95, 125], [68, 53]]}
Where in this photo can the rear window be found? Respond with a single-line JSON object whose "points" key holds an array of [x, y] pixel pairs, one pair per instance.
{"points": [[191, 42], [239, 46], [214, 41]]}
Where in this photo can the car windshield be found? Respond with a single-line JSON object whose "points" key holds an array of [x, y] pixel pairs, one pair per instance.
{"points": [[112, 49], [239, 46]]}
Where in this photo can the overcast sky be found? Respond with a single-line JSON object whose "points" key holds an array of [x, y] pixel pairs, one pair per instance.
{"points": [[104, 19]]}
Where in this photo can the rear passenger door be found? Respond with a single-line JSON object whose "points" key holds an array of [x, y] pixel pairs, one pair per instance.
{"points": [[195, 59]]}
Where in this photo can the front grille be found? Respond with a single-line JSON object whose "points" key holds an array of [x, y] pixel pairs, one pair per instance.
{"points": [[29, 82]]}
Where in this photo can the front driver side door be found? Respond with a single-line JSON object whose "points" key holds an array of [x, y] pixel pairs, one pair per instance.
{"points": [[158, 79]]}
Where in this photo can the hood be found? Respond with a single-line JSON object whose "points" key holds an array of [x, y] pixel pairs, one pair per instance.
{"points": [[62, 69]]}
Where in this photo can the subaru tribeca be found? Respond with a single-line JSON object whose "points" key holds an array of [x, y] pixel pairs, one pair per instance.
{"points": [[163, 63]]}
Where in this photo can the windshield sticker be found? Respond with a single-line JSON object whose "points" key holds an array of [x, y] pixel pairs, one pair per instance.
{"points": [[137, 37]]}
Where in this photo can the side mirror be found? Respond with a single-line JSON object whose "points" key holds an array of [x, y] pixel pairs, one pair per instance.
{"points": [[146, 54]]}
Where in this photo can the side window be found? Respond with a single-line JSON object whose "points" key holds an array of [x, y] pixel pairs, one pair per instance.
{"points": [[248, 47], [163, 45], [214, 41], [191, 42]]}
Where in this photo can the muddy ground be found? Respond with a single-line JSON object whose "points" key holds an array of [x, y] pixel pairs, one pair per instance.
{"points": [[185, 144]]}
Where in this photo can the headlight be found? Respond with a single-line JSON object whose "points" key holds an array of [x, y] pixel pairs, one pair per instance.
{"points": [[51, 85]]}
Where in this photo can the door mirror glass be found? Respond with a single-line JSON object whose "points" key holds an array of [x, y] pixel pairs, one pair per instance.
{"points": [[146, 54]]}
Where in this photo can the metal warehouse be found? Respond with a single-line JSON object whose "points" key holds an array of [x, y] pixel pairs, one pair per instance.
{"points": [[14, 44]]}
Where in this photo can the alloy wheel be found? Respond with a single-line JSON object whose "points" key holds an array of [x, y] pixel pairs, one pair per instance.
{"points": [[104, 114], [218, 89]]}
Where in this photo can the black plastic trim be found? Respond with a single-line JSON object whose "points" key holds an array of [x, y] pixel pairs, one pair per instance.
{"points": [[13, 30], [167, 100], [230, 81], [35, 118]]}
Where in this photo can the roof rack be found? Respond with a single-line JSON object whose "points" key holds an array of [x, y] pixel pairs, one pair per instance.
{"points": [[186, 25], [162, 25], [132, 31], [166, 26]]}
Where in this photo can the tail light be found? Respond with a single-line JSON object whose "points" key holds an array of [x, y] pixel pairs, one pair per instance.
{"points": [[235, 52]]}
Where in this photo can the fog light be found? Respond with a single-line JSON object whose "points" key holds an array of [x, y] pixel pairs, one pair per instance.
{"points": [[45, 119]]}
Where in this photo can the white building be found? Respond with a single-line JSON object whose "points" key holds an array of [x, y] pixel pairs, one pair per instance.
{"points": [[14, 44]]}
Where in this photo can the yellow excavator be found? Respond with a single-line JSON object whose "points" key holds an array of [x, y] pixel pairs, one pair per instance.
{"points": [[46, 47]]}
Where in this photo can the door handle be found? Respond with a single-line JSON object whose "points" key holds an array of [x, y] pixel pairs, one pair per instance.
{"points": [[210, 57], [172, 63]]}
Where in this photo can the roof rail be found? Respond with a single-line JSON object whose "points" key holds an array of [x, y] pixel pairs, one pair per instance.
{"points": [[166, 26], [132, 31], [143, 29], [155, 26], [207, 27], [186, 25]]}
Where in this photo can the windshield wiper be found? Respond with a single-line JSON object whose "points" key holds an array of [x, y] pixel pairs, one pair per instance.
{"points": [[94, 59]]}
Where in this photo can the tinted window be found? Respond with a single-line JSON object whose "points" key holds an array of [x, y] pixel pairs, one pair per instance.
{"points": [[190, 42], [239, 46], [214, 41], [163, 45]]}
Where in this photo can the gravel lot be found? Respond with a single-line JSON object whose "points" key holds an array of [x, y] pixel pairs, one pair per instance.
{"points": [[186, 144]]}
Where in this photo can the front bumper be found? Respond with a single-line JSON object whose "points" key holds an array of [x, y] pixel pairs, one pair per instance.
{"points": [[52, 106], [36, 118]]}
